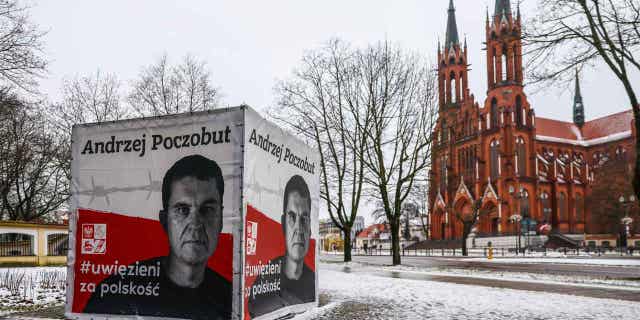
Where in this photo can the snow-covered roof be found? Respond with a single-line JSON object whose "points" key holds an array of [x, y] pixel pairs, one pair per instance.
{"points": [[373, 231], [598, 131]]}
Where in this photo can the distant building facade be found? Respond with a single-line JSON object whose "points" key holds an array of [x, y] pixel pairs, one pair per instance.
{"points": [[331, 237], [520, 165], [376, 236]]}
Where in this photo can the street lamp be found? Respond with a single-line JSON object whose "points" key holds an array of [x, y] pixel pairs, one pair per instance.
{"points": [[546, 214], [626, 221], [516, 218]]}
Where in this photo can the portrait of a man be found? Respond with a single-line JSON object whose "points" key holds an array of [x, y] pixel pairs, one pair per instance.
{"points": [[191, 217], [297, 281]]}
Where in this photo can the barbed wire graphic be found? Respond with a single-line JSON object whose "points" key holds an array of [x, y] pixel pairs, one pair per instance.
{"points": [[101, 191]]}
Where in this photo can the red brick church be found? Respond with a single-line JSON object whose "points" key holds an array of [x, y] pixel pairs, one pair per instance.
{"points": [[521, 167]]}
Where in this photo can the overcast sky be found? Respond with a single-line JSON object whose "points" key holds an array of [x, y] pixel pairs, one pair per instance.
{"points": [[248, 45]]}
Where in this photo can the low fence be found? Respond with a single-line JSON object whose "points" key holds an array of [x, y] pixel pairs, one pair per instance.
{"points": [[497, 252]]}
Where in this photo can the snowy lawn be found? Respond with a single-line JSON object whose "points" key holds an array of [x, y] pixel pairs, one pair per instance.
{"points": [[363, 296], [23, 289], [360, 296], [590, 261], [523, 277]]}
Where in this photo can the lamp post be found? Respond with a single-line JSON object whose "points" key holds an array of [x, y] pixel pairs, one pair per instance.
{"points": [[516, 217], [626, 221]]}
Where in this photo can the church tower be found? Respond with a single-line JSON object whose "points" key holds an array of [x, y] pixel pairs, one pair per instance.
{"points": [[578, 107], [504, 46], [452, 66], [509, 121]]}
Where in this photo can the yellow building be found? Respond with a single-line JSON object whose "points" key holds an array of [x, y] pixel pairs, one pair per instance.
{"points": [[332, 242], [27, 243]]}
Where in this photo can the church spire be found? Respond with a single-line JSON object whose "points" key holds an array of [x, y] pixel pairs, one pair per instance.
{"points": [[452, 38], [578, 107], [503, 7], [452, 65]]}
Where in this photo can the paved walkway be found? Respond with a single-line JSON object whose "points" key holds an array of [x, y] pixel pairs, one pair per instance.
{"points": [[582, 270]]}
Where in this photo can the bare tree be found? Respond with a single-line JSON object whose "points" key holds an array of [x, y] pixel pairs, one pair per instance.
{"points": [[86, 99], [33, 179], [21, 47], [469, 220], [570, 34], [399, 96], [165, 89], [321, 102]]}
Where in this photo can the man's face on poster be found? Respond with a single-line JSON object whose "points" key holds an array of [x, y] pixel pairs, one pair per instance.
{"points": [[194, 219], [297, 226]]}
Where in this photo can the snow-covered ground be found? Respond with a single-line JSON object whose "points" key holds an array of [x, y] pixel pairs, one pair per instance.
{"points": [[498, 253], [364, 296], [27, 288], [519, 276], [590, 261]]}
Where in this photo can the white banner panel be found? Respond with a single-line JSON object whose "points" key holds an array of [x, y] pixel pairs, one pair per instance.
{"points": [[281, 195]]}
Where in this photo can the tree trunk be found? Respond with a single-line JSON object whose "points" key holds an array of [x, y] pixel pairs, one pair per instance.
{"points": [[635, 107], [395, 241], [636, 171], [347, 244], [466, 229]]}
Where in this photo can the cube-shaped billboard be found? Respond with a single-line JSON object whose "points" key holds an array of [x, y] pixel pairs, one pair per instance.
{"points": [[207, 215]]}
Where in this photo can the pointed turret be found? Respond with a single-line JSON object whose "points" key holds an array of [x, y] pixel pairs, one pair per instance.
{"points": [[578, 107], [503, 8], [504, 47], [452, 65], [452, 38]]}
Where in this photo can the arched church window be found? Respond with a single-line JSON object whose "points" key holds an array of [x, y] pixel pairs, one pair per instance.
{"points": [[471, 166], [514, 65], [461, 90], [495, 159], [443, 171], [521, 154], [494, 113], [443, 132], [562, 206], [519, 111], [545, 204], [454, 87], [579, 208], [504, 66], [496, 66], [466, 124]]}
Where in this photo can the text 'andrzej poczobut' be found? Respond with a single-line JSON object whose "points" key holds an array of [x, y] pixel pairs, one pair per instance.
{"points": [[115, 144]]}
